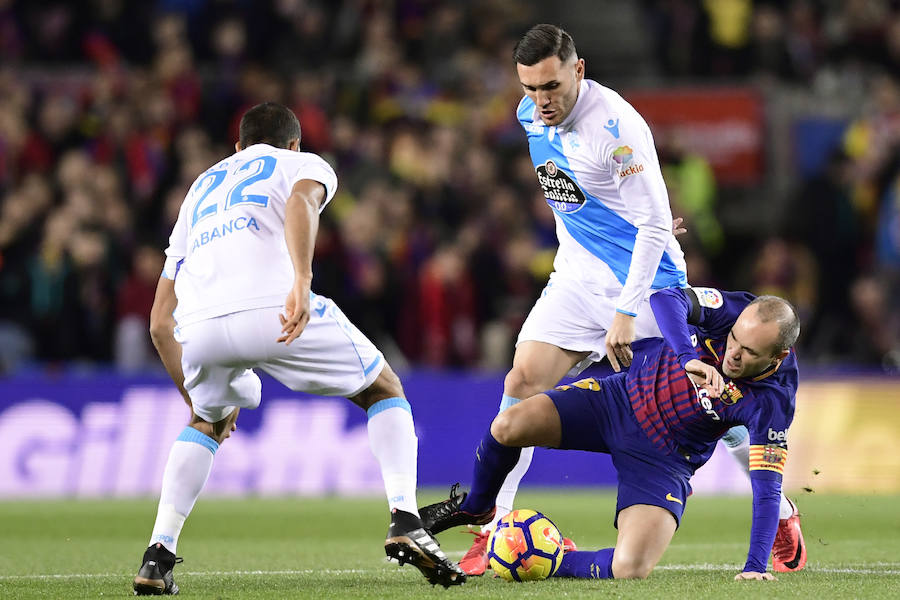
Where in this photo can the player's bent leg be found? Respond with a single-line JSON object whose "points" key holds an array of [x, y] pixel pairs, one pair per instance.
{"points": [[392, 438], [532, 422], [220, 430], [537, 366], [386, 385], [645, 532], [187, 469]]}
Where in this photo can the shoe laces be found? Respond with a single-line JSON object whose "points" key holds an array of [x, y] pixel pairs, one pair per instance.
{"points": [[479, 545], [451, 505]]}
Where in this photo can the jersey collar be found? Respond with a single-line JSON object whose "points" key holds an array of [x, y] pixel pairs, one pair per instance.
{"points": [[580, 104]]}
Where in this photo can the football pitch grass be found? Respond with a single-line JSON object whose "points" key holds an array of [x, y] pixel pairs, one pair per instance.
{"points": [[332, 548]]}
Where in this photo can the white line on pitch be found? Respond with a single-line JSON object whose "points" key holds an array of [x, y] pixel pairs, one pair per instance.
{"points": [[698, 567]]}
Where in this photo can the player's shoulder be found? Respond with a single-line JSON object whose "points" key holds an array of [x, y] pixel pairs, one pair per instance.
{"points": [[607, 117], [292, 159], [525, 112]]}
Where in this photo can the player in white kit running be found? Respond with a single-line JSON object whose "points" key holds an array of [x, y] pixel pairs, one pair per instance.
{"points": [[596, 161], [237, 276]]}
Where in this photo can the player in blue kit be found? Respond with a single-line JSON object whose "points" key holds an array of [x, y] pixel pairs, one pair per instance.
{"points": [[660, 422], [595, 160]]}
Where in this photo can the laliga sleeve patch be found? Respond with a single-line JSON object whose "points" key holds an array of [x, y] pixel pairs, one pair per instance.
{"points": [[708, 297]]}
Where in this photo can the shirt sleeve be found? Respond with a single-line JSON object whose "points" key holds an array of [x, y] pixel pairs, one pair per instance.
{"points": [[673, 309], [315, 168], [766, 501], [768, 428], [632, 161], [718, 310], [177, 250]]}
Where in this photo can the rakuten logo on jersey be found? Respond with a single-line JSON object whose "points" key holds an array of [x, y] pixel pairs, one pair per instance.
{"points": [[706, 404], [777, 436]]}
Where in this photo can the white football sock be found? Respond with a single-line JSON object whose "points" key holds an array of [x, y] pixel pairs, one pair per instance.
{"points": [[187, 470], [741, 453], [392, 437], [507, 496]]}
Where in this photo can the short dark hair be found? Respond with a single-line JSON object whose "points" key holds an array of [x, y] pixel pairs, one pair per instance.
{"points": [[269, 123], [543, 41], [773, 308]]}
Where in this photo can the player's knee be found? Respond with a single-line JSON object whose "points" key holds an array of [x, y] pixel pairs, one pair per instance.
{"points": [[386, 385], [219, 431], [631, 567], [521, 383], [505, 429]]}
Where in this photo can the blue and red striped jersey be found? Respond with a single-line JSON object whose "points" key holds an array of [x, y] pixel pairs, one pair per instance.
{"points": [[680, 417]]}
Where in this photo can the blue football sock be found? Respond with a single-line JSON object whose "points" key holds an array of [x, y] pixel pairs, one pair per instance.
{"points": [[493, 462], [587, 565]]}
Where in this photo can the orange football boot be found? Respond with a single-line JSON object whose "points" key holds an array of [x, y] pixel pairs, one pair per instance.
{"points": [[789, 549]]}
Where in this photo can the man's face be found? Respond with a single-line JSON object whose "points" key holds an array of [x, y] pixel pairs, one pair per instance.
{"points": [[553, 86], [750, 348]]}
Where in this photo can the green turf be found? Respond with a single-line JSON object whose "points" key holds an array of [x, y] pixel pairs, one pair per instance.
{"points": [[331, 548]]}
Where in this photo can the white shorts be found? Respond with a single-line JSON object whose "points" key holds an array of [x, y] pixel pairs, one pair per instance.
{"points": [[573, 318], [330, 358]]}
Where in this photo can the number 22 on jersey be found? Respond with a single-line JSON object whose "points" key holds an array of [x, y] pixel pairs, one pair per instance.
{"points": [[259, 169]]}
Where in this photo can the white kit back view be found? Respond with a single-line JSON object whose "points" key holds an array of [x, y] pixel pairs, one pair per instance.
{"points": [[228, 257]]}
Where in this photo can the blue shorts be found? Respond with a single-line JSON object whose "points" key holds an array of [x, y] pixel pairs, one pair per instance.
{"points": [[601, 420]]}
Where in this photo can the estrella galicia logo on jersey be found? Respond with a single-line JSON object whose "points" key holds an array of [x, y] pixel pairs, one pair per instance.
{"points": [[561, 192], [551, 168], [612, 126], [731, 394], [624, 157]]}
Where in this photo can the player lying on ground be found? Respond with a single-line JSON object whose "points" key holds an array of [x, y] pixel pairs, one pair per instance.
{"points": [[595, 159], [238, 276], [660, 421]]}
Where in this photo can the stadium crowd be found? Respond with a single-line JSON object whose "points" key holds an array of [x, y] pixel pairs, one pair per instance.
{"points": [[439, 239]]}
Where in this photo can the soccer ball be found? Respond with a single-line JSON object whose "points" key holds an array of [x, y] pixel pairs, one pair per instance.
{"points": [[525, 546]]}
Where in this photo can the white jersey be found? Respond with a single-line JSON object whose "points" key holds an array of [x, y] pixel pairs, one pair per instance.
{"points": [[601, 176], [227, 252]]}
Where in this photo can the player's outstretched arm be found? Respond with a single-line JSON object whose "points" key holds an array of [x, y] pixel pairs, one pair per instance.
{"points": [[162, 332], [301, 222]]}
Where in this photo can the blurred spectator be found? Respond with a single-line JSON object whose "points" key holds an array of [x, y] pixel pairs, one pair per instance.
{"points": [[133, 350], [439, 238], [875, 337]]}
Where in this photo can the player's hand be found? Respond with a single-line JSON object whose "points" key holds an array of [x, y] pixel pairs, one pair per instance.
{"points": [[706, 376], [618, 341], [754, 576], [677, 229], [296, 309]]}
